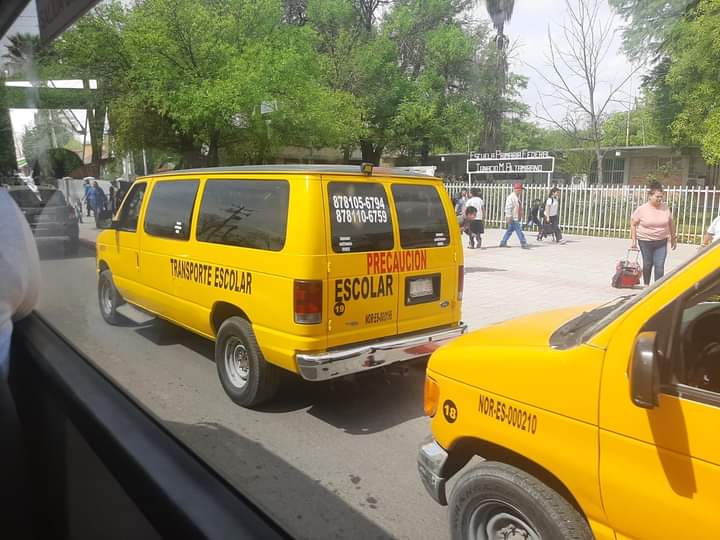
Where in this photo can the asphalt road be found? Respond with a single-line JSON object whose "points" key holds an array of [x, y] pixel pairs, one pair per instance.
{"points": [[327, 460]]}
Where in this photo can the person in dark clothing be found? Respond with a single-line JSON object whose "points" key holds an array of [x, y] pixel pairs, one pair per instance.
{"points": [[535, 215], [99, 202]]}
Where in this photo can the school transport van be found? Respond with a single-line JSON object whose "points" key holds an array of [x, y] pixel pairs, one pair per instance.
{"points": [[323, 271], [594, 422]]}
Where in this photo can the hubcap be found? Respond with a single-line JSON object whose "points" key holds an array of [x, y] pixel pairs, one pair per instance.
{"points": [[237, 363], [106, 297], [495, 520]]}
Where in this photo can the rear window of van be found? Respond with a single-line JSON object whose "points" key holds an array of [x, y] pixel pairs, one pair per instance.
{"points": [[421, 216], [359, 217]]}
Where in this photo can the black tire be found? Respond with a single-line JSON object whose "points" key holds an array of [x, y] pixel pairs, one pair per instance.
{"points": [[109, 298], [493, 488], [247, 378]]}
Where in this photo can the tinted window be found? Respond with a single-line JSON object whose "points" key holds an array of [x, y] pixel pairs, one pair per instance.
{"points": [[421, 216], [359, 217], [246, 213], [26, 198], [131, 208], [170, 209]]}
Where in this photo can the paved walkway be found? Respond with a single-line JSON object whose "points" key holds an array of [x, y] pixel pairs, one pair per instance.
{"points": [[501, 283]]}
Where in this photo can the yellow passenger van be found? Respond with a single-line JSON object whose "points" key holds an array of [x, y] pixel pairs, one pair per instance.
{"points": [[323, 271], [594, 422]]}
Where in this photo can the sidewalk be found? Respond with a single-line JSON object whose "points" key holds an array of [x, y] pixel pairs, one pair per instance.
{"points": [[501, 283]]}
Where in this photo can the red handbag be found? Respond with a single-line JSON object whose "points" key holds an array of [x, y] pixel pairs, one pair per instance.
{"points": [[628, 271]]}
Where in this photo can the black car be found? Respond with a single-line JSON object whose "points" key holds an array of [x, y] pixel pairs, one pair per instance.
{"points": [[48, 213]]}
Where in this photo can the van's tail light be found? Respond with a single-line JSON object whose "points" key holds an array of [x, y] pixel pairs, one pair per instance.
{"points": [[308, 302], [432, 393], [71, 212], [461, 281]]}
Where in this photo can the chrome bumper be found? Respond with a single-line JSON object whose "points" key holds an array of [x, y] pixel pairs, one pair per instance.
{"points": [[430, 461], [339, 362]]}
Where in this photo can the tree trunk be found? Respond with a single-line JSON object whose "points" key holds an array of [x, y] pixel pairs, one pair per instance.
{"points": [[190, 154], [599, 155], [370, 152], [424, 153], [213, 158]]}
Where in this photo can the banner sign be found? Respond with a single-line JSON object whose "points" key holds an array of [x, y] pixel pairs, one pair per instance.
{"points": [[521, 162]]}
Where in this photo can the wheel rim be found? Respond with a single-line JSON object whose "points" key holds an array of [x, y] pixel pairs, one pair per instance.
{"points": [[106, 297], [496, 520], [237, 362]]}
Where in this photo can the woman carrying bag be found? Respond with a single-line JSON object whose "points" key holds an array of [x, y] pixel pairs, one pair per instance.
{"points": [[651, 228]]}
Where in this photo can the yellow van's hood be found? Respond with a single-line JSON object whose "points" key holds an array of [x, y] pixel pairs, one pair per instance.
{"points": [[514, 359]]}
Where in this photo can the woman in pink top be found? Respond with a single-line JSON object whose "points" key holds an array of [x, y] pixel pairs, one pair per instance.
{"points": [[651, 226]]}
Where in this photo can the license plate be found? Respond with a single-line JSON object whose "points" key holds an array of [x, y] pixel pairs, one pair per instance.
{"points": [[421, 287]]}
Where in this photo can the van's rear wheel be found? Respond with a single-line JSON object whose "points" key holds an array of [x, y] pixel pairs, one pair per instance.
{"points": [[496, 500], [109, 298], [245, 375]]}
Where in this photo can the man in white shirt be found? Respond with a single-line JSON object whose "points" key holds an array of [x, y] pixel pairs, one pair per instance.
{"points": [[514, 214], [713, 232]]}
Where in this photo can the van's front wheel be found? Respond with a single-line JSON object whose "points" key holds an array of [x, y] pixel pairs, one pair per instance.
{"points": [[245, 375], [496, 500]]}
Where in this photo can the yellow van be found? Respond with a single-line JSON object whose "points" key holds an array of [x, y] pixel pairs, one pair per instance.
{"points": [[323, 271], [594, 422]]}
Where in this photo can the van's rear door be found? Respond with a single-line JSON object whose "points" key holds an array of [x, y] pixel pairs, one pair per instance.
{"points": [[362, 284], [428, 286]]}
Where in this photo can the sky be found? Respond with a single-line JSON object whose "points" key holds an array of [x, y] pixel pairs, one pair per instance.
{"points": [[527, 30]]}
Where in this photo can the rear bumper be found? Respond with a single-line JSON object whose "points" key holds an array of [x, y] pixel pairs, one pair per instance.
{"points": [[430, 461], [354, 359]]}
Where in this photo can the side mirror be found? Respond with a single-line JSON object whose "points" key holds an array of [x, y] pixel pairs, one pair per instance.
{"points": [[645, 372]]}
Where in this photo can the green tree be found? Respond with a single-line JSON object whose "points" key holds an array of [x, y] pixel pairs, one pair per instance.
{"points": [[693, 78], [650, 24], [22, 52], [633, 128], [8, 162], [251, 82]]}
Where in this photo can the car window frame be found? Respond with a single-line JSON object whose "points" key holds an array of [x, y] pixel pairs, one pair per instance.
{"points": [[435, 190], [191, 213], [676, 358], [390, 209], [122, 214], [201, 201]]}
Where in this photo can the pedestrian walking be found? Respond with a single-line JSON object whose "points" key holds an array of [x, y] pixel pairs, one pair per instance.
{"points": [[552, 207], [514, 216], [99, 202], [475, 225], [87, 190], [112, 199], [460, 207], [535, 215], [713, 232], [652, 227]]}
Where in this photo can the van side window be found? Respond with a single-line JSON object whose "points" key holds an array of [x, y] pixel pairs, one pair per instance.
{"points": [[421, 216], [170, 209], [245, 213], [698, 343], [131, 208], [359, 217]]}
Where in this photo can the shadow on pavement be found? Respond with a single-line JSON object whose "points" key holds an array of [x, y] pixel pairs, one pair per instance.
{"points": [[56, 249], [302, 505], [162, 334], [359, 404]]}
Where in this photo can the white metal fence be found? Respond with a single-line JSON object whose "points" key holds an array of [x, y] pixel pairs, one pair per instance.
{"points": [[605, 210]]}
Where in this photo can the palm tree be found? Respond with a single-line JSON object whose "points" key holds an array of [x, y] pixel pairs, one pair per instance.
{"points": [[21, 51], [500, 12]]}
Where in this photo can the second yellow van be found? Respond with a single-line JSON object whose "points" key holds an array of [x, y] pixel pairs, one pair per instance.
{"points": [[323, 271]]}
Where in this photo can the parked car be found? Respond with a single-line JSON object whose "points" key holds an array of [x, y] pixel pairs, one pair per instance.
{"points": [[593, 421], [48, 213], [323, 271]]}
